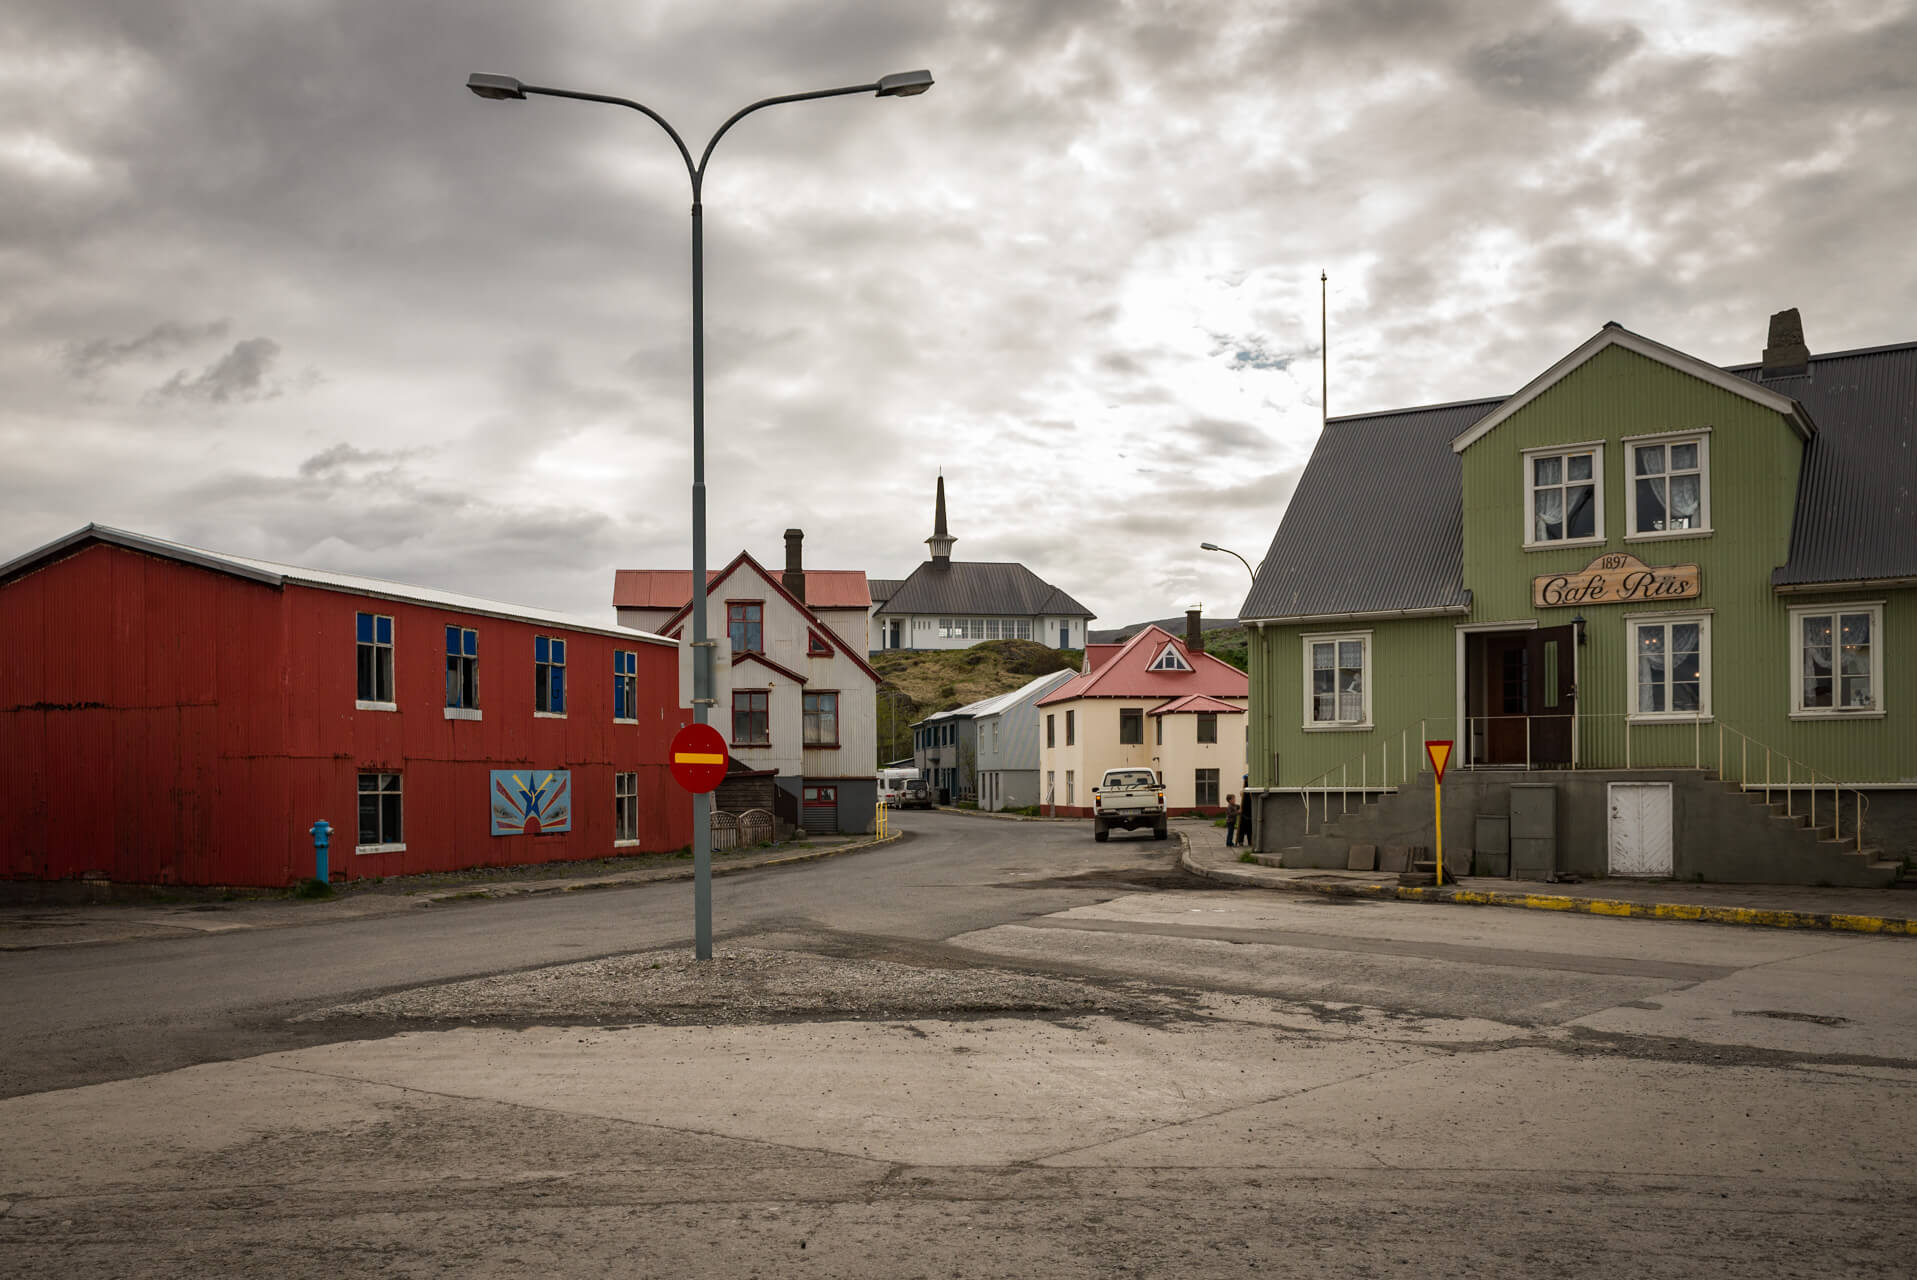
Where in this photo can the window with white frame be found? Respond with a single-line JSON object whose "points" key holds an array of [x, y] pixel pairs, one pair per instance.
{"points": [[1670, 486], [1205, 789], [1564, 496], [1670, 666], [1208, 726], [1838, 659], [1170, 660], [625, 808], [380, 804], [1071, 777], [1338, 680]]}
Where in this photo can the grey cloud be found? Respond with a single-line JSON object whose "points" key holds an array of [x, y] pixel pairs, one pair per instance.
{"points": [[1217, 436], [96, 355], [1549, 65], [240, 375], [342, 455]]}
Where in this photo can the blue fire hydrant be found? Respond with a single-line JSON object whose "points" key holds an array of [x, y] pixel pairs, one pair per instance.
{"points": [[322, 833]]}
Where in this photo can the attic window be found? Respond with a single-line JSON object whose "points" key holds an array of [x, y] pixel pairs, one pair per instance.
{"points": [[1170, 660], [815, 644]]}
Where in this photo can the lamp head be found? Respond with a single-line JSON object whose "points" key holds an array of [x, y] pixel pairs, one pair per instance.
{"points": [[904, 84], [495, 87], [1209, 546]]}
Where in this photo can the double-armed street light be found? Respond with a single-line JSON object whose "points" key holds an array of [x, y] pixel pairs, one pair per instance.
{"points": [[904, 84]]}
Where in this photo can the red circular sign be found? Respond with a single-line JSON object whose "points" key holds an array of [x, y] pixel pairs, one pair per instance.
{"points": [[698, 758]]}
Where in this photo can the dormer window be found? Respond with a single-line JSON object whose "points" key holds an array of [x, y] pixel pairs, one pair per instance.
{"points": [[1169, 659]]}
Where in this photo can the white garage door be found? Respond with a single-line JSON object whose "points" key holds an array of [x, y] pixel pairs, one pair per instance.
{"points": [[1640, 828]]}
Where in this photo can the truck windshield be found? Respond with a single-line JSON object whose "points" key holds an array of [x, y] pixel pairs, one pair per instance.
{"points": [[1130, 778]]}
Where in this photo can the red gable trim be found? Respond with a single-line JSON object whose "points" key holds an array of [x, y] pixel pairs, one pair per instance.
{"points": [[764, 661], [744, 559]]}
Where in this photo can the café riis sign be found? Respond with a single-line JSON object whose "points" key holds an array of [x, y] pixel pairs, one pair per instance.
{"points": [[1616, 579]]}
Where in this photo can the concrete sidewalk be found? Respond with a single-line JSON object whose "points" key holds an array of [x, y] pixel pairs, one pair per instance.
{"points": [[1879, 911], [31, 926]]}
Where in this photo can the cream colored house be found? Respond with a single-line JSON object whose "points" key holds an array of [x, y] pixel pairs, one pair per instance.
{"points": [[1153, 702]]}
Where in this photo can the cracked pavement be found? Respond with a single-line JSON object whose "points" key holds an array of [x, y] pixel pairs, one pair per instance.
{"points": [[1007, 1059]]}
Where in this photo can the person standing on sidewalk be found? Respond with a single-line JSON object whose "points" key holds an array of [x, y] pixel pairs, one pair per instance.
{"points": [[1231, 819]]}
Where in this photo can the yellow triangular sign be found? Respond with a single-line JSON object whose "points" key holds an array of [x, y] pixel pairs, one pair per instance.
{"points": [[1440, 753]]}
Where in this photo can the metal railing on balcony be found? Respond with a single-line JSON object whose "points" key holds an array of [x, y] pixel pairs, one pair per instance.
{"points": [[1585, 742]]}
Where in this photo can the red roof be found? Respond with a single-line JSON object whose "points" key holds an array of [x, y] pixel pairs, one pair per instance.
{"points": [[1195, 703], [1124, 674], [1097, 655], [671, 588]]}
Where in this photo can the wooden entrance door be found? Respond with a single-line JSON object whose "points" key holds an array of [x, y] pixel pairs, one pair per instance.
{"points": [[1528, 696]]}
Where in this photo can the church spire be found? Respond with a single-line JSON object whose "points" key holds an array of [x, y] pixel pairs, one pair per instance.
{"points": [[940, 541]]}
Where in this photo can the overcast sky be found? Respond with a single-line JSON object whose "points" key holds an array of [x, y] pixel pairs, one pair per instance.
{"points": [[272, 282]]}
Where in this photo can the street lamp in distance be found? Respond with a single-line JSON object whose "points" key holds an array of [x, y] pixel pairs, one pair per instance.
{"points": [[1213, 546]]}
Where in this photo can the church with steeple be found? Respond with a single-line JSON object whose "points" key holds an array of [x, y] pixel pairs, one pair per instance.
{"points": [[953, 604]]}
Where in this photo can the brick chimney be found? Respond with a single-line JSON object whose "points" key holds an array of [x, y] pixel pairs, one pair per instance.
{"points": [[793, 580], [1786, 356], [1194, 630]]}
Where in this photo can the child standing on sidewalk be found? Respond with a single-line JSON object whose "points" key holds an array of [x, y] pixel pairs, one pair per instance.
{"points": [[1231, 819]]}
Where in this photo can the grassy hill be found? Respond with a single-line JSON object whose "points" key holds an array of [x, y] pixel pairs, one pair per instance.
{"points": [[920, 683]]}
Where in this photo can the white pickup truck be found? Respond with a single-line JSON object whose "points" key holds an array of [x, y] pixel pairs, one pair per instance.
{"points": [[1128, 798]]}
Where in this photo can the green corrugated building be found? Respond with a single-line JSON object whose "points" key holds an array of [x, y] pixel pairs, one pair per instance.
{"points": [[1665, 611]]}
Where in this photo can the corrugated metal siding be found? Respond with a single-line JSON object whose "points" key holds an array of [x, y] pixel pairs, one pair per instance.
{"points": [[164, 723], [1374, 524]]}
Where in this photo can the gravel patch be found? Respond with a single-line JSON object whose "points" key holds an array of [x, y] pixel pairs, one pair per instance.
{"points": [[736, 985]]}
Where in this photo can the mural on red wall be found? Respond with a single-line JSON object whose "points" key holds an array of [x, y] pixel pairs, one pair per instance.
{"points": [[527, 802]]}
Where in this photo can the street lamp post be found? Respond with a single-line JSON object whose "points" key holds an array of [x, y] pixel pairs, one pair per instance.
{"points": [[1212, 546], [903, 84]]}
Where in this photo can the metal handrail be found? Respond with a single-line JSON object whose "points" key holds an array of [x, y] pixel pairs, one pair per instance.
{"points": [[1363, 759]]}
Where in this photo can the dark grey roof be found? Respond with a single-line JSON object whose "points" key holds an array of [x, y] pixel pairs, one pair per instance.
{"points": [[1856, 517], [1375, 525], [882, 588], [972, 587]]}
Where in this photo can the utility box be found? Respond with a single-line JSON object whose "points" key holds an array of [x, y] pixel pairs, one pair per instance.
{"points": [[1491, 845], [1534, 830]]}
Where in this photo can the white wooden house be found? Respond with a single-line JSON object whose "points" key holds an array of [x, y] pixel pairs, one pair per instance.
{"points": [[796, 699]]}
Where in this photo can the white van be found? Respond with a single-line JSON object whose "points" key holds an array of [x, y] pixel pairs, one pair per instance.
{"points": [[892, 784]]}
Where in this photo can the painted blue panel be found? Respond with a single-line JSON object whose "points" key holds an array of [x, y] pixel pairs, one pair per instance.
{"points": [[559, 651], [530, 802], [452, 639], [541, 649], [385, 629], [365, 621], [472, 644], [559, 689]]}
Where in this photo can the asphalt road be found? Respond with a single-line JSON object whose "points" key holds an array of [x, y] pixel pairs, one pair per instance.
{"points": [[989, 1049], [80, 1015]]}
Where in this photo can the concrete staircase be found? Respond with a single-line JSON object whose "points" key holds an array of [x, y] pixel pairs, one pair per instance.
{"points": [[1749, 840]]}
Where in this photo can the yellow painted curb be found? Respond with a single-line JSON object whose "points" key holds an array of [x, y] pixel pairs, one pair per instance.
{"points": [[1890, 925]]}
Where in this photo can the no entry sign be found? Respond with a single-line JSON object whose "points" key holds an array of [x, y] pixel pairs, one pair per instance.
{"points": [[698, 758]]}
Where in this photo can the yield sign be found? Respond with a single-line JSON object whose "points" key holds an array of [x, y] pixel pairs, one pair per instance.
{"points": [[1440, 752], [698, 758]]}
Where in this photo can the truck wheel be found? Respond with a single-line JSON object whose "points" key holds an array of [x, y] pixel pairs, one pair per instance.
{"points": [[1101, 832], [1158, 830]]}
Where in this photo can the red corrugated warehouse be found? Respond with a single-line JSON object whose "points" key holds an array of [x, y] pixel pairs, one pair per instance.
{"points": [[176, 716]]}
